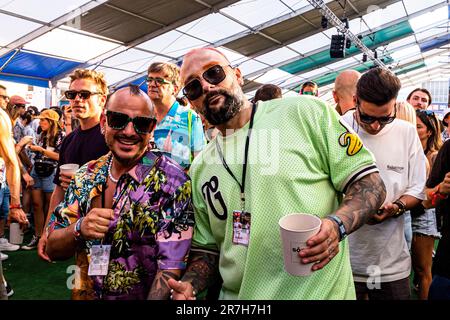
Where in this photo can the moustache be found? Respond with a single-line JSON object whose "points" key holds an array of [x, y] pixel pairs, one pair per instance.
{"points": [[134, 138]]}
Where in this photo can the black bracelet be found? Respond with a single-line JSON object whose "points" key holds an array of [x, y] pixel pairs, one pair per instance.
{"points": [[401, 207]]}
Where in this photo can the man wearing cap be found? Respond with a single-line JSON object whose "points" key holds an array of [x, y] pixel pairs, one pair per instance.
{"points": [[87, 96], [310, 88], [19, 104]]}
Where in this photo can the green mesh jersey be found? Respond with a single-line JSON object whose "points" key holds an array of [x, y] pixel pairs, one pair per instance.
{"points": [[300, 159]]}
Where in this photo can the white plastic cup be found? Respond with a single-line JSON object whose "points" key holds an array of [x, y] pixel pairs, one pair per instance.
{"points": [[15, 233], [69, 169], [296, 229]]}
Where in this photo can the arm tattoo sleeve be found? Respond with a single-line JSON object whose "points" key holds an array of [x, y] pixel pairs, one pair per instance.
{"points": [[160, 289], [364, 197], [203, 269]]}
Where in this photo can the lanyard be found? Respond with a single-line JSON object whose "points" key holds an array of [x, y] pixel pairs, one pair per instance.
{"points": [[244, 167]]}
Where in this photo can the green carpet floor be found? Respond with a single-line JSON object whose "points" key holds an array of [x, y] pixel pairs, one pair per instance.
{"points": [[34, 279]]}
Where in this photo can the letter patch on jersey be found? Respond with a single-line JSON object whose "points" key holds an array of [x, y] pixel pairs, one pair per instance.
{"points": [[350, 140], [212, 195]]}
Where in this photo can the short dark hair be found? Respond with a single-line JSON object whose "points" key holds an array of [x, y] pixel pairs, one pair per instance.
{"points": [[420, 89], [267, 92], [378, 86], [134, 91], [2, 87]]}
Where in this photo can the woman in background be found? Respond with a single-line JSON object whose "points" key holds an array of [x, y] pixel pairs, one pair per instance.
{"points": [[424, 225], [45, 162]]}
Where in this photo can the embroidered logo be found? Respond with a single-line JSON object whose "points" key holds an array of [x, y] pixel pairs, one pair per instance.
{"points": [[350, 140], [210, 191]]}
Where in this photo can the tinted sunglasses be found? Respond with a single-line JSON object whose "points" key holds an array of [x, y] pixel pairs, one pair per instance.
{"points": [[4, 97], [371, 119], [214, 75], [83, 94], [158, 81], [118, 121]]}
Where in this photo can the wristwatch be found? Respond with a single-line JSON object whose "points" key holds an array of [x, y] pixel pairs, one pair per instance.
{"points": [[340, 224], [77, 230]]}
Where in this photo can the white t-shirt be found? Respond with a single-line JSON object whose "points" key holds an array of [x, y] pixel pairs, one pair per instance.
{"points": [[380, 251]]}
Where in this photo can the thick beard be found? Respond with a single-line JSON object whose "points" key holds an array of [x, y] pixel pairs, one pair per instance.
{"points": [[231, 106]]}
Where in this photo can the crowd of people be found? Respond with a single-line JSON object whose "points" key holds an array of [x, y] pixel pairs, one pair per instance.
{"points": [[180, 198]]}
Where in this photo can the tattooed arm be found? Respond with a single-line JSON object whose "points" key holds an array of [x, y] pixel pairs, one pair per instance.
{"points": [[202, 272], [362, 200], [160, 289]]}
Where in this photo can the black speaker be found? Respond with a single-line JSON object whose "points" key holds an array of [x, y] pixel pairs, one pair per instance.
{"points": [[337, 48]]}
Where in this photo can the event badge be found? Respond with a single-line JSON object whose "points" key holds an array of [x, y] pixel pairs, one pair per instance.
{"points": [[241, 227], [99, 260]]}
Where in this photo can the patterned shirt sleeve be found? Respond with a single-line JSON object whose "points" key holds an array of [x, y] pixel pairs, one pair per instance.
{"points": [[175, 236], [198, 140], [66, 212]]}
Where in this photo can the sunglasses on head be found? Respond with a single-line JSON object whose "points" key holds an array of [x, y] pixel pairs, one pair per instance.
{"points": [[427, 112], [158, 81], [118, 121], [214, 75], [371, 119], [83, 94]]}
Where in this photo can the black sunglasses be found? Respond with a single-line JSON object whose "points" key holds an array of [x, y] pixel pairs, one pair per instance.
{"points": [[4, 97], [118, 121], [83, 94], [158, 81], [371, 119], [214, 75]]}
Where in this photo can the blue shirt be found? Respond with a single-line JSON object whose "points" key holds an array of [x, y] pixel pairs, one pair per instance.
{"points": [[176, 126]]}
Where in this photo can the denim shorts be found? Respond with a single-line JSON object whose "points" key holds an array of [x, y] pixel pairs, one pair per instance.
{"points": [[426, 224], [45, 184], [4, 201]]}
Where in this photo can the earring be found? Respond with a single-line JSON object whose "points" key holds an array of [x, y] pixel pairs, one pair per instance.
{"points": [[102, 130]]}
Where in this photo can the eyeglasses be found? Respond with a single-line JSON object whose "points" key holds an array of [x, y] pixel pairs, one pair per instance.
{"points": [[214, 75], [371, 119], [4, 97], [118, 121], [158, 81], [83, 94]]}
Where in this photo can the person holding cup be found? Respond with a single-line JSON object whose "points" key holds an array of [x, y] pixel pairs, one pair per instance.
{"points": [[87, 96], [44, 169], [269, 160]]}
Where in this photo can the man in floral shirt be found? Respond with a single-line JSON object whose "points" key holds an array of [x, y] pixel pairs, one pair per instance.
{"points": [[133, 199]]}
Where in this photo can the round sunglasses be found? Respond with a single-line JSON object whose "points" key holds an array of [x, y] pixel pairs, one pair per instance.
{"points": [[118, 121], [214, 75]]}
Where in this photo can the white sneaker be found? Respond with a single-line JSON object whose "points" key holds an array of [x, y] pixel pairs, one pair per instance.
{"points": [[6, 246], [3, 256]]}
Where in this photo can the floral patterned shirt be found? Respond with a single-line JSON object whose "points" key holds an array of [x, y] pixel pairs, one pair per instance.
{"points": [[151, 229]]}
